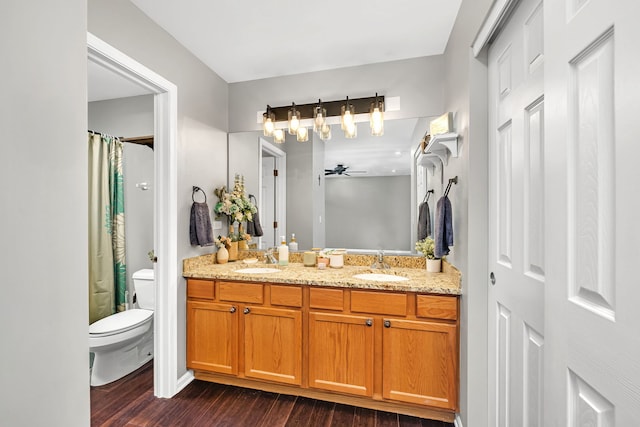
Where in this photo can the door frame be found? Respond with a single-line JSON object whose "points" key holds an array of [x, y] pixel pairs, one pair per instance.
{"points": [[281, 183], [166, 383]]}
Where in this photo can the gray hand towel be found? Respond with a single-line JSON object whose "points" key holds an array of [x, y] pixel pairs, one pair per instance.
{"points": [[424, 221], [253, 227], [200, 230], [443, 232]]}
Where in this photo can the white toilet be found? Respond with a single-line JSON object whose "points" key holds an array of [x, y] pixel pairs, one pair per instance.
{"points": [[123, 342]]}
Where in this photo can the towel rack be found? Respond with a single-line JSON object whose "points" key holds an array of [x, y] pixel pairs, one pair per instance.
{"points": [[195, 190], [453, 180], [426, 196]]}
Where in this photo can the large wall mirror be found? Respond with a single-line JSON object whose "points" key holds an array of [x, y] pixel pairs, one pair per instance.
{"points": [[361, 194]]}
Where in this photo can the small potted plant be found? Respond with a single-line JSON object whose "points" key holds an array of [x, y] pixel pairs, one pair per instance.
{"points": [[427, 246]]}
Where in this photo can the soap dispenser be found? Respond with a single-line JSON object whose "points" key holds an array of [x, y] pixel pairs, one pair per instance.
{"points": [[293, 245], [283, 252]]}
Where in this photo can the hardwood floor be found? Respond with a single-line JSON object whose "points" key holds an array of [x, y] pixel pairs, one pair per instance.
{"points": [[130, 402]]}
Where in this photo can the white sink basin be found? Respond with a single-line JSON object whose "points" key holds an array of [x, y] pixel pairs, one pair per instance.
{"points": [[257, 270], [379, 277]]}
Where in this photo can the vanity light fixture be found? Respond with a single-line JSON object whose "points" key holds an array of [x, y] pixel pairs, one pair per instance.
{"points": [[321, 114], [294, 119], [268, 122], [278, 136], [376, 117]]}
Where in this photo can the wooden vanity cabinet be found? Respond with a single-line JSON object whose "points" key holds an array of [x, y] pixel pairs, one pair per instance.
{"points": [[394, 351], [233, 325]]}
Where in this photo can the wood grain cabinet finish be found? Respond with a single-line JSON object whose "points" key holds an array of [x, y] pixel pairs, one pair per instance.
{"points": [[212, 337], [341, 353], [420, 362], [394, 351], [273, 344]]}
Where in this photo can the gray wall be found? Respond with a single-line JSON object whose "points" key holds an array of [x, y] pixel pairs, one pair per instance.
{"points": [[131, 117], [362, 212], [418, 83], [43, 221], [202, 118], [299, 194], [466, 96]]}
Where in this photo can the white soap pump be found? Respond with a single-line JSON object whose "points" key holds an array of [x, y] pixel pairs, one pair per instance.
{"points": [[293, 245], [283, 252]]}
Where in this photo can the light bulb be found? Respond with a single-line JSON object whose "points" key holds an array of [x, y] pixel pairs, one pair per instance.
{"points": [[302, 133], [278, 136]]}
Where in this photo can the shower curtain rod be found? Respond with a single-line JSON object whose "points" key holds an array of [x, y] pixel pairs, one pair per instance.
{"points": [[142, 140]]}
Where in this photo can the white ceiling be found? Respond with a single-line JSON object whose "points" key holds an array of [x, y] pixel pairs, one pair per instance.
{"points": [[250, 39]]}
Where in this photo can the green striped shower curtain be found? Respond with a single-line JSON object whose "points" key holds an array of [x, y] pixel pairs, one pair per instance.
{"points": [[107, 267]]}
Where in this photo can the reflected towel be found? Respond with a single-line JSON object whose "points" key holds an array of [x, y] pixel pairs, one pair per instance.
{"points": [[253, 227], [200, 230], [424, 221], [443, 232]]}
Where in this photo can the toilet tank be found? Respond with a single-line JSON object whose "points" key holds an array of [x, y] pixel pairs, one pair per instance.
{"points": [[144, 284]]}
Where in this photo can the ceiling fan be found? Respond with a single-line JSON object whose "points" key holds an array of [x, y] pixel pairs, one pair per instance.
{"points": [[340, 169]]}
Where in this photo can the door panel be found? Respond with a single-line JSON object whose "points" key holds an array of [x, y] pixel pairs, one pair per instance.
{"points": [[517, 221], [592, 361]]}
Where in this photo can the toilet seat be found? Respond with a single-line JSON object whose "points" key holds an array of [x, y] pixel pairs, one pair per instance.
{"points": [[119, 322]]}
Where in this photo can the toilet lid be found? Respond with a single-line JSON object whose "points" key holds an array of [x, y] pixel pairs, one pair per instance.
{"points": [[120, 321]]}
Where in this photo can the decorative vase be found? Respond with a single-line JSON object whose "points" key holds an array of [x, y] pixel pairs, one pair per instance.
{"points": [[434, 265], [233, 251], [222, 256]]}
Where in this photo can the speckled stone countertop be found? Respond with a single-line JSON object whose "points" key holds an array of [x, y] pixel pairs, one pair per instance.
{"points": [[447, 282]]}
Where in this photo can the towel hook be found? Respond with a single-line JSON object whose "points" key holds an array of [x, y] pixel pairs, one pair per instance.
{"points": [[453, 180], [426, 196], [193, 193]]}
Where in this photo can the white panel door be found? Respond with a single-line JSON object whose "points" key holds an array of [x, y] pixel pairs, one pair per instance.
{"points": [[592, 298], [516, 224], [267, 203]]}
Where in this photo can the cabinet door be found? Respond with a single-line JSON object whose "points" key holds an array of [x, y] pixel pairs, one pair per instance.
{"points": [[420, 362], [341, 353], [212, 337], [273, 344]]}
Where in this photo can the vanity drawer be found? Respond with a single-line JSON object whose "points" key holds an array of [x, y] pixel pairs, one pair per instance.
{"points": [[328, 299], [379, 303], [197, 288], [241, 292], [290, 296], [437, 306]]}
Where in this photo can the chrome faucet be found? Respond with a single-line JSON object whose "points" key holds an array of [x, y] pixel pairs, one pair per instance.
{"points": [[379, 263], [269, 258]]}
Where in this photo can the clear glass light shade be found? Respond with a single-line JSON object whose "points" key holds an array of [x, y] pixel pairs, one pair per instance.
{"points": [[294, 120], [278, 136], [351, 131], [376, 118], [325, 132], [303, 134], [268, 123], [319, 117], [348, 116]]}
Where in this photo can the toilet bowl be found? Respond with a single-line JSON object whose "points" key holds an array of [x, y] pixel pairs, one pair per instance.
{"points": [[123, 342]]}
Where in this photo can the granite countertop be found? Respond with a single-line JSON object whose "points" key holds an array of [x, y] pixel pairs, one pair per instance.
{"points": [[420, 280]]}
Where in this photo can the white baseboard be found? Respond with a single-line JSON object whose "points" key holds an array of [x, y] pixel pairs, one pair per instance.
{"points": [[184, 381], [458, 421]]}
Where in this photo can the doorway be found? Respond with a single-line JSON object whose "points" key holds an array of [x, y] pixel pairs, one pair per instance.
{"points": [[166, 383], [273, 194]]}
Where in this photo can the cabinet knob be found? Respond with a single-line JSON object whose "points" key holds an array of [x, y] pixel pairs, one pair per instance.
{"points": [[246, 310], [232, 310], [369, 322], [387, 324]]}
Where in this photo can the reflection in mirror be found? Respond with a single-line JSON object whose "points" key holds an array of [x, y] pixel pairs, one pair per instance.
{"points": [[358, 194]]}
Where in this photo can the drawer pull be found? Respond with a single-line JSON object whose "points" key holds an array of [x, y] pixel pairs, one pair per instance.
{"points": [[246, 310], [232, 310], [387, 324], [369, 322]]}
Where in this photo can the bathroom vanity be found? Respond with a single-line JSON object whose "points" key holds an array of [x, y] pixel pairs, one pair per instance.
{"points": [[387, 343]]}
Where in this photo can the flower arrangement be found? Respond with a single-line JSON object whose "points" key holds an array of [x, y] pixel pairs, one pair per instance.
{"points": [[427, 247], [236, 206], [222, 241]]}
